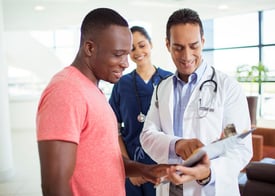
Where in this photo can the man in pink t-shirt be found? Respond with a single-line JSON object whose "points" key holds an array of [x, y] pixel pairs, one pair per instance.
{"points": [[71, 111], [76, 128]]}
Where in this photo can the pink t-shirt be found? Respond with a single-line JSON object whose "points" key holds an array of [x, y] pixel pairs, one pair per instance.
{"points": [[73, 109]]}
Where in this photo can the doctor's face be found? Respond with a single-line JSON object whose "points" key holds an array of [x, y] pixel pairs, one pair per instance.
{"points": [[185, 46]]}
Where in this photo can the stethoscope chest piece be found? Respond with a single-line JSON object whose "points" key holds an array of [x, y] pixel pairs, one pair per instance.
{"points": [[141, 117]]}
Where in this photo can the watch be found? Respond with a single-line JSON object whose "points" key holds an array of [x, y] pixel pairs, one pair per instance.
{"points": [[204, 181]]}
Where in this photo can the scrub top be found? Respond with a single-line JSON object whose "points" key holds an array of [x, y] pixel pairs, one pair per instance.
{"points": [[130, 95]]}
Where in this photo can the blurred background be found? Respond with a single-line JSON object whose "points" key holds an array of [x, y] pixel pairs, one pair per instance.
{"points": [[40, 37]]}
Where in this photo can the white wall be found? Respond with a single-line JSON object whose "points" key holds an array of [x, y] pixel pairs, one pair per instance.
{"points": [[25, 52], [6, 157]]}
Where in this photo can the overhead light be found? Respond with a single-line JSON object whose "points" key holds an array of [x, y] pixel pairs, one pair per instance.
{"points": [[223, 7], [147, 3], [39, 8]]}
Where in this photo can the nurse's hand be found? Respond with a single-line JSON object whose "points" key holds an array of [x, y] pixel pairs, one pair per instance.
{"points": [[180, 174], [185, 147]]}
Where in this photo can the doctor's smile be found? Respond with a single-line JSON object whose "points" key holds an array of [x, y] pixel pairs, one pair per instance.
{"points": [[190, 109]]}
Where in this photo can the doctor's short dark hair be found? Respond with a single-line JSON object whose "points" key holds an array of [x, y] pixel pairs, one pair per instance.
{"points": [[99, 19], [141, 30], [183, 16]]}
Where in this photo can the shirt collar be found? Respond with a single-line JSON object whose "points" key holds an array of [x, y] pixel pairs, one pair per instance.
{"points": [[194, 77], [200, 70]]}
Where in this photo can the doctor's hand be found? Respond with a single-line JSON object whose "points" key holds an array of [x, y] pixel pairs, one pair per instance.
{"points": [[180, 174], [185, 147]]}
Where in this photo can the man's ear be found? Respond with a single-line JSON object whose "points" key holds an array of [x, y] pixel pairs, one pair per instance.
{"points": [[89, 48], [167, 44], [202, 41]]}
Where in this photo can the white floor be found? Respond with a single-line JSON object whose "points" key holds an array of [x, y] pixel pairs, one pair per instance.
{"points": [[26, 180]]}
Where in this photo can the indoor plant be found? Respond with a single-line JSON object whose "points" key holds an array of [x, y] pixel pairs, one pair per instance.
{"points": [[253, 74]]}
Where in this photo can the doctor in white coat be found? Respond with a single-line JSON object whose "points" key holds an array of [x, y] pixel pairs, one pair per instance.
{"points": [[191, 109]]}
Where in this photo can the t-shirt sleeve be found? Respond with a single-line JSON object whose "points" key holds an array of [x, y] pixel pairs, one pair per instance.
{"points": [[61, 114]]}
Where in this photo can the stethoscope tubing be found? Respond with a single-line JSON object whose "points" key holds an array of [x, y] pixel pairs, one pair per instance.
{"points": [[210, 80], [200, 88], [134, 75]]}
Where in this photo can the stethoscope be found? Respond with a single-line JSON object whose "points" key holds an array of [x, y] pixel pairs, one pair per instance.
{"points": [[211, 80], [204, 108], [141, 117]]}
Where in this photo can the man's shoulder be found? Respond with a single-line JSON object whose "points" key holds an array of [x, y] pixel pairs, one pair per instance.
{"points": [[227, 82], [166, 81], [225, 77]]}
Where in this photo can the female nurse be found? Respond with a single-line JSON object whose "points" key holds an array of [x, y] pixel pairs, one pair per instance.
{"points": [[130, 100]]}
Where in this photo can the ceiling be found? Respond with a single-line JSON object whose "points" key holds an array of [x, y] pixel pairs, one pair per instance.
{"points": [[20, 15]]}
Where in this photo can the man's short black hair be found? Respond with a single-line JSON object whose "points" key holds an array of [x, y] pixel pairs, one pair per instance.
{"points": [[99, 19], [183, 16]]}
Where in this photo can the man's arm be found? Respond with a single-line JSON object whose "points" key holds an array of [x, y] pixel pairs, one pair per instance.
{"points": [[134, 180], [122, 147], [151, 173], [57, 162]]}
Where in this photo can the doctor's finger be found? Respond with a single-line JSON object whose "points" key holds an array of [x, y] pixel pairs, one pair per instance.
{"points": [[184, 147], [177, 177], [189, 149]]}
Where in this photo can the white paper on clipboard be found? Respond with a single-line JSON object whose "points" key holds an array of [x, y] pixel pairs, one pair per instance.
{"points": [[215, 149]]}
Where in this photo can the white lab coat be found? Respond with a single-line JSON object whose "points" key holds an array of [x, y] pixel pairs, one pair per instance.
{"points": [[230, 106]]}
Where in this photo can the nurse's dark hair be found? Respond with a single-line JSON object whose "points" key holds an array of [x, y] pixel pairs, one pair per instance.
{"points": [[183, 16], [141, 30], [99, 19]]}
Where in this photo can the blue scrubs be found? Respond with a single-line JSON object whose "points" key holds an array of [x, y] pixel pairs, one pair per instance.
{"points": [[126, 106]]}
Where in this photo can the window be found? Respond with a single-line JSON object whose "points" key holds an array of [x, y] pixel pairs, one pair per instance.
{"points": [[245, 39], [228, 60], [269, 60], [268, 24], [233, 31], [55, 47]]}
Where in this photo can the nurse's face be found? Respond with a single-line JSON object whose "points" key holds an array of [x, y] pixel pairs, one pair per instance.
{"points": [[141, 49], [185, 46]]}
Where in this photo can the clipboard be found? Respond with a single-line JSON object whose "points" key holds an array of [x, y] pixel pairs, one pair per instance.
{"points": [[213, 150], [216, 148]]}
